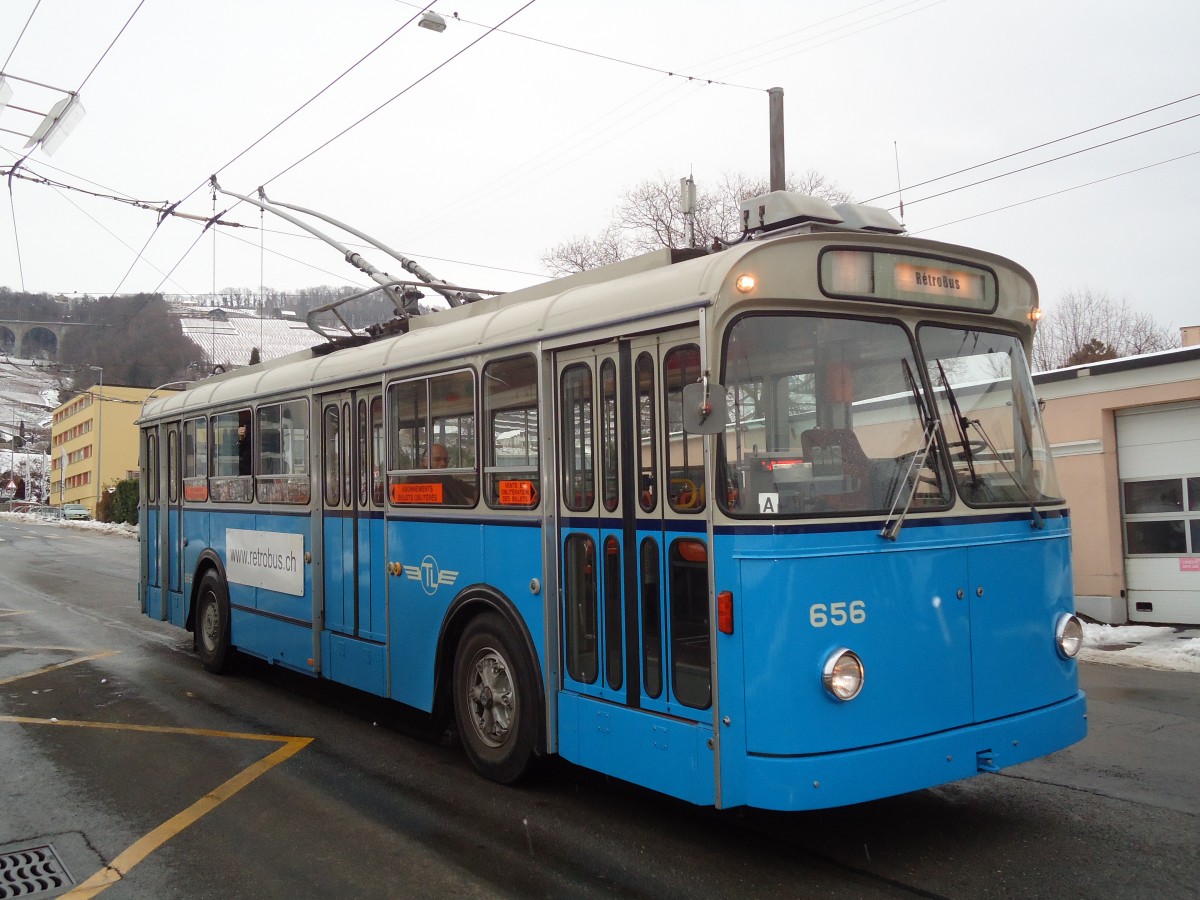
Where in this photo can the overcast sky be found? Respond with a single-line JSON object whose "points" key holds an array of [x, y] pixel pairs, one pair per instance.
{"points": [[532, 134]]}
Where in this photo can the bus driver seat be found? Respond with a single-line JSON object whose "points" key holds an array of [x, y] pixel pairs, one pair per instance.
{"points": [[836, 451]]}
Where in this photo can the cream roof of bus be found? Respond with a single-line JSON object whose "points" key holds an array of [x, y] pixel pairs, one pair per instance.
{"points": [[570, 305]]}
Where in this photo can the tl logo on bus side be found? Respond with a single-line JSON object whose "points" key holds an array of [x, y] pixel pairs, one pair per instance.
{"points": [[428, 573]]}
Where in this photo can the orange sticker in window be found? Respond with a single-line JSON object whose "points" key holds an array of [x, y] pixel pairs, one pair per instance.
{"points": [[516, 493], [417, 493]]}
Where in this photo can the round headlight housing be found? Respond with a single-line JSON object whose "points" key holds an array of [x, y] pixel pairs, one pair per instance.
{"points": [[843, 674], [1068, 636]]}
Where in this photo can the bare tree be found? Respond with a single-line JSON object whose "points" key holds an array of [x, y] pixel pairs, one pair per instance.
{"points": [[1087, 327], [650, 216]]}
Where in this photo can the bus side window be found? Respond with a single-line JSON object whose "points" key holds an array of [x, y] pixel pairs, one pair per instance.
{"points": [[195, 459], [231, 460], [510, 405]]}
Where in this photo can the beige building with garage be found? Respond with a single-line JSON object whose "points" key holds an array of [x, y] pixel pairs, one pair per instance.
{"points": [[1125, 434]]}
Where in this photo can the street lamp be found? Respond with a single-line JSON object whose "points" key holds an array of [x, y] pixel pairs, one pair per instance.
{"points": [[99, 399]]}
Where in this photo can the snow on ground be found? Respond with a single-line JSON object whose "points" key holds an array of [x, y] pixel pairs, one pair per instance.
{"points": [[1176, 648], [1171, 647], [129, 531]]}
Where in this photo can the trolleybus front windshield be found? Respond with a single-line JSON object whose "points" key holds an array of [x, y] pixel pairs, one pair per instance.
{"points": [[990, 418], [827, 416]]}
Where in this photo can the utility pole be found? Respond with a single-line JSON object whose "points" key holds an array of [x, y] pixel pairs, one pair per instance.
{"points": [[778, 175]]}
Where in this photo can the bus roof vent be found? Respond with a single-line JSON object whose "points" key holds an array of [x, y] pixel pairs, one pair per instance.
{"points": [[868, 218], [784, 209]]}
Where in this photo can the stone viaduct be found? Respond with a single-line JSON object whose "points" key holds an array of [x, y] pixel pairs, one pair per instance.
{"points": [[33, 340]]}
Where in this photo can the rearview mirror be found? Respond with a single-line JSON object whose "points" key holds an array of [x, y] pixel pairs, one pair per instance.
{"points": [[704, 408]]}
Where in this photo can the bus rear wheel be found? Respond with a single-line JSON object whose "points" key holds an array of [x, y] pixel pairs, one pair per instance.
{"points": [[496, 704], [212, 624]]}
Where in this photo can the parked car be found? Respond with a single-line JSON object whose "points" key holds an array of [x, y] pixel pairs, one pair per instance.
{"points": [[75, 511]]}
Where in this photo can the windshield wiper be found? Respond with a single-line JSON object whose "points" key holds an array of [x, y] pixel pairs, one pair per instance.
{"points": [[961, 423], [1036, 517], [916, 462]]}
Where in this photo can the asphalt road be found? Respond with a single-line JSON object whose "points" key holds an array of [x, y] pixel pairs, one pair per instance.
{"points": [[148, 777]]}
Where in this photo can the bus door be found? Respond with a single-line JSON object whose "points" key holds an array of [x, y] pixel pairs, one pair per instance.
{"points": [[352, 535], [152, 525], [172, 557], [636, 699]]}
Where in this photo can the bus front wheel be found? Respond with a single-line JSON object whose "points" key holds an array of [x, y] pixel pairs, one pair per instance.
{"points": [[495, 700], [212, 624]]}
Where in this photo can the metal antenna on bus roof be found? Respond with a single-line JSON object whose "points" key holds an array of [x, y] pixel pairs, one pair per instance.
{"points": [[453, 297]]}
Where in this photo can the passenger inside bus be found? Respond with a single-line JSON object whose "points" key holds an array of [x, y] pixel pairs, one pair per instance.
{"points": [[455, 491]]}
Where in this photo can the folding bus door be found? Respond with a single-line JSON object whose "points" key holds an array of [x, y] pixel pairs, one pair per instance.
{"points": [[173, 544], [636, 668], [355, 627]]}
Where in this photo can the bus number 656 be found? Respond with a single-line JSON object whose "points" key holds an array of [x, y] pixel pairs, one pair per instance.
{"points": [[822, 614]]}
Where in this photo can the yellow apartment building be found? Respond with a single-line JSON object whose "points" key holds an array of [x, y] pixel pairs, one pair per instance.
{"points": [[94, 443]]}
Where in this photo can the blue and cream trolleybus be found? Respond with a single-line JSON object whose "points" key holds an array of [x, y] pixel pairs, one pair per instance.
{"points": [[772, 524]]}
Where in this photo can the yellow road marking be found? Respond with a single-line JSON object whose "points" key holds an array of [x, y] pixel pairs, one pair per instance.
{"points": [[144, 846], [14, 612], [50, 668]]}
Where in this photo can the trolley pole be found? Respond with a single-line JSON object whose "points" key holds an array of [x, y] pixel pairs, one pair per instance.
{"points": [[778, 176]]}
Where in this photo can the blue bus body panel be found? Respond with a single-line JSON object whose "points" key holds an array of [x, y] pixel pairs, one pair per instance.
{"points": [[855, 776], [439, 560], [956, 635], [666, 754]]}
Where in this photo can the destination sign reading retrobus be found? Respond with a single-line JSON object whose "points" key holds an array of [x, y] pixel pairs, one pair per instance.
{"points": [[903, 278]]}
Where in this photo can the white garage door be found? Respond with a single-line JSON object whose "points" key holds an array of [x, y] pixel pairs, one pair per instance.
{"points": [[1158, 457]]}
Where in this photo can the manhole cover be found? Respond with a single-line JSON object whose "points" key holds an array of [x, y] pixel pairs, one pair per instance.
{"points": [[33, 871]]}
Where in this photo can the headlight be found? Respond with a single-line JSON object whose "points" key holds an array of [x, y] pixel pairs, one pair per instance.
{"points": [[1068, 635], [843, 674]]}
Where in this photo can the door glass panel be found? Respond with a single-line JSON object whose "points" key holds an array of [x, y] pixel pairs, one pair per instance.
{"points": [[173, 466], [685, 459], [651, 619], [644, 410], [151, 468], [1193, 494], [377, 456], [332, 434], [579, 485], [579, 560], [690, 678], [363, 454], [614, 649], [609, 469], [347, 456]]}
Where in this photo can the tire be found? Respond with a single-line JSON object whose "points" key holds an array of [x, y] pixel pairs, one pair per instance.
{"points": [[497, 706], [212, 624]]}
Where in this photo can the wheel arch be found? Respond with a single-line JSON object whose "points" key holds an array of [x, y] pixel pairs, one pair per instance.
{"points": [[207, 561], [473, 601]]}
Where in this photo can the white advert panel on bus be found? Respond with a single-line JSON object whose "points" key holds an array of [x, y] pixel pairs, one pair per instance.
{"points": [[267, 559]]}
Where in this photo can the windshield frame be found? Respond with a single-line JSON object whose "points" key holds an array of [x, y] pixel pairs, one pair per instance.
{"points": [[732, 468], [946, 402]]}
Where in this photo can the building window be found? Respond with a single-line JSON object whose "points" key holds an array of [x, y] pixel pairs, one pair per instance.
{"points": [[1162, 516]]}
